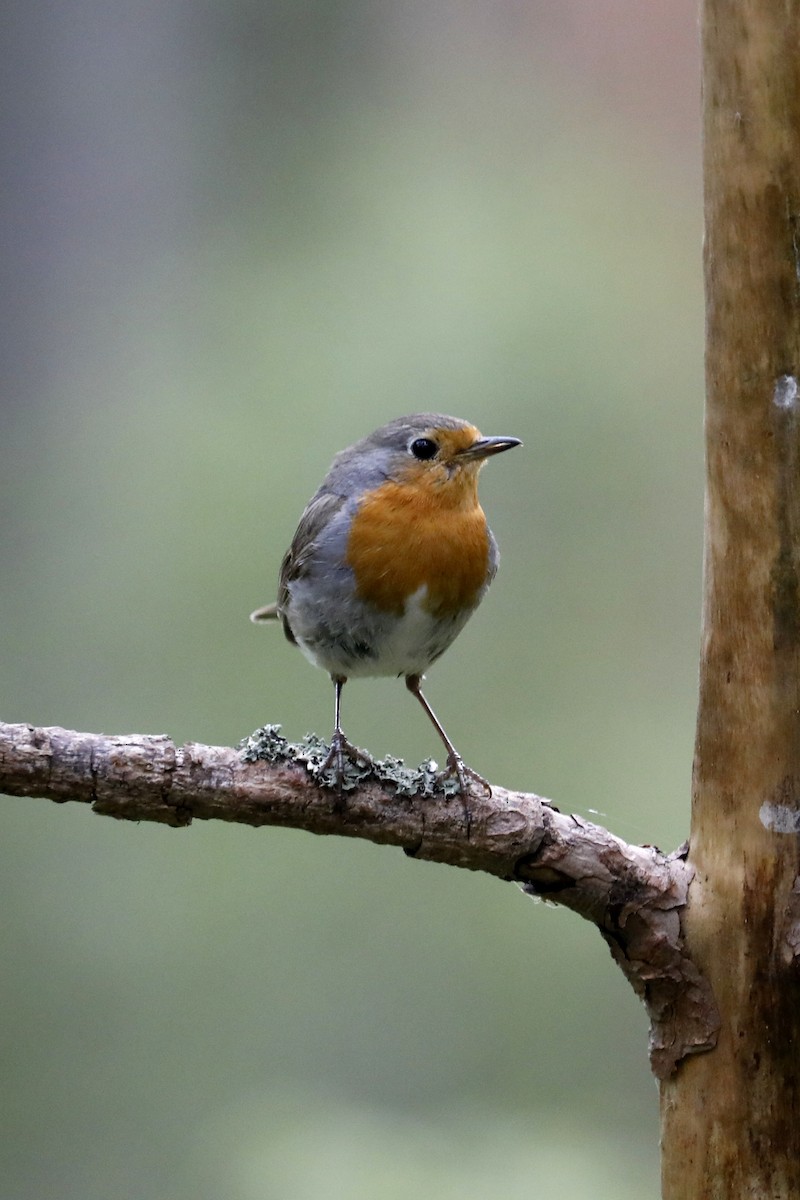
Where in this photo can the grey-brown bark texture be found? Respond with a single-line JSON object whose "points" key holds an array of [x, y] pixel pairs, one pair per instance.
{"points": [[634, 894], [731, 1119]]}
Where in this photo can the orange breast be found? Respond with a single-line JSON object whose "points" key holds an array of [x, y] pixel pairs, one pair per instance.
{"points": [[404, 537]]}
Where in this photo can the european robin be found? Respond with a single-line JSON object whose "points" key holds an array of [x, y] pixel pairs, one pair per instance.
{"points": [[390, 559]]}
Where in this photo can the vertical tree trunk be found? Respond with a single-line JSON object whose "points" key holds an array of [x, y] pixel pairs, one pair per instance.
{"points": [[731, 1118]]}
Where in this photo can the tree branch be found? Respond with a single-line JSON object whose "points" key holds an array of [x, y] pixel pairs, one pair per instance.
{"points": [[635, 895]]}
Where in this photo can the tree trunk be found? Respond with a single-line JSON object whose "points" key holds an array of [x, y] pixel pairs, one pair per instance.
{"points": [[731, 1118]]}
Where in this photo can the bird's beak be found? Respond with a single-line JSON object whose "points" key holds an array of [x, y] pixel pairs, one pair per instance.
{"points": [[485, 447]]}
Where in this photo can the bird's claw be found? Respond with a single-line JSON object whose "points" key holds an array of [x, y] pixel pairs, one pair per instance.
{"points": [[334, 761], [457, 769]]}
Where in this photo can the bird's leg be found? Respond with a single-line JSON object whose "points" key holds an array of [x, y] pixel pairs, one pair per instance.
{"points": [[340, 747], [455, 763]]}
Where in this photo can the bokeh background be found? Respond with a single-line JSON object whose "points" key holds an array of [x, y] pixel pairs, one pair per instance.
{"points": [[238, 235]]}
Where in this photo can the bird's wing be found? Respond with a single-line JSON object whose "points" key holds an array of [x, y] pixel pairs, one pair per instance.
{"points": [[320, 511]]}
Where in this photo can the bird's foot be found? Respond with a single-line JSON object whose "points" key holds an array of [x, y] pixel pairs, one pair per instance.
{"points": [[333, 770], [457, 769]]}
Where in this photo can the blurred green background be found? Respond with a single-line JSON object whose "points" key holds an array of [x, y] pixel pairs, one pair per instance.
{"points": [[238, 236]]}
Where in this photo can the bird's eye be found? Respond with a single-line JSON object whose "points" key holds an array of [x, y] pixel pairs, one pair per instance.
{"points": [[423, 448]]}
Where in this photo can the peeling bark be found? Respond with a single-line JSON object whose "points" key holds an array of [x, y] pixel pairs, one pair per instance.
{"points": [[634, 894]]}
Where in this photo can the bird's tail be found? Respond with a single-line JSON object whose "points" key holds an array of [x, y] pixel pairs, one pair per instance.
{"points": [[268, 613]]}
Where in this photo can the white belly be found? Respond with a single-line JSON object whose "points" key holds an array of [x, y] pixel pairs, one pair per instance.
{"points": [[404, 645]]}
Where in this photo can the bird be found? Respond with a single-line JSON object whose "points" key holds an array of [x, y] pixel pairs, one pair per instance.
{"points": [[391, 557]]}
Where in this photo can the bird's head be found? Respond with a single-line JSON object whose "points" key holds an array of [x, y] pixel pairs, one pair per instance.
{"points": [[430, 451]]}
